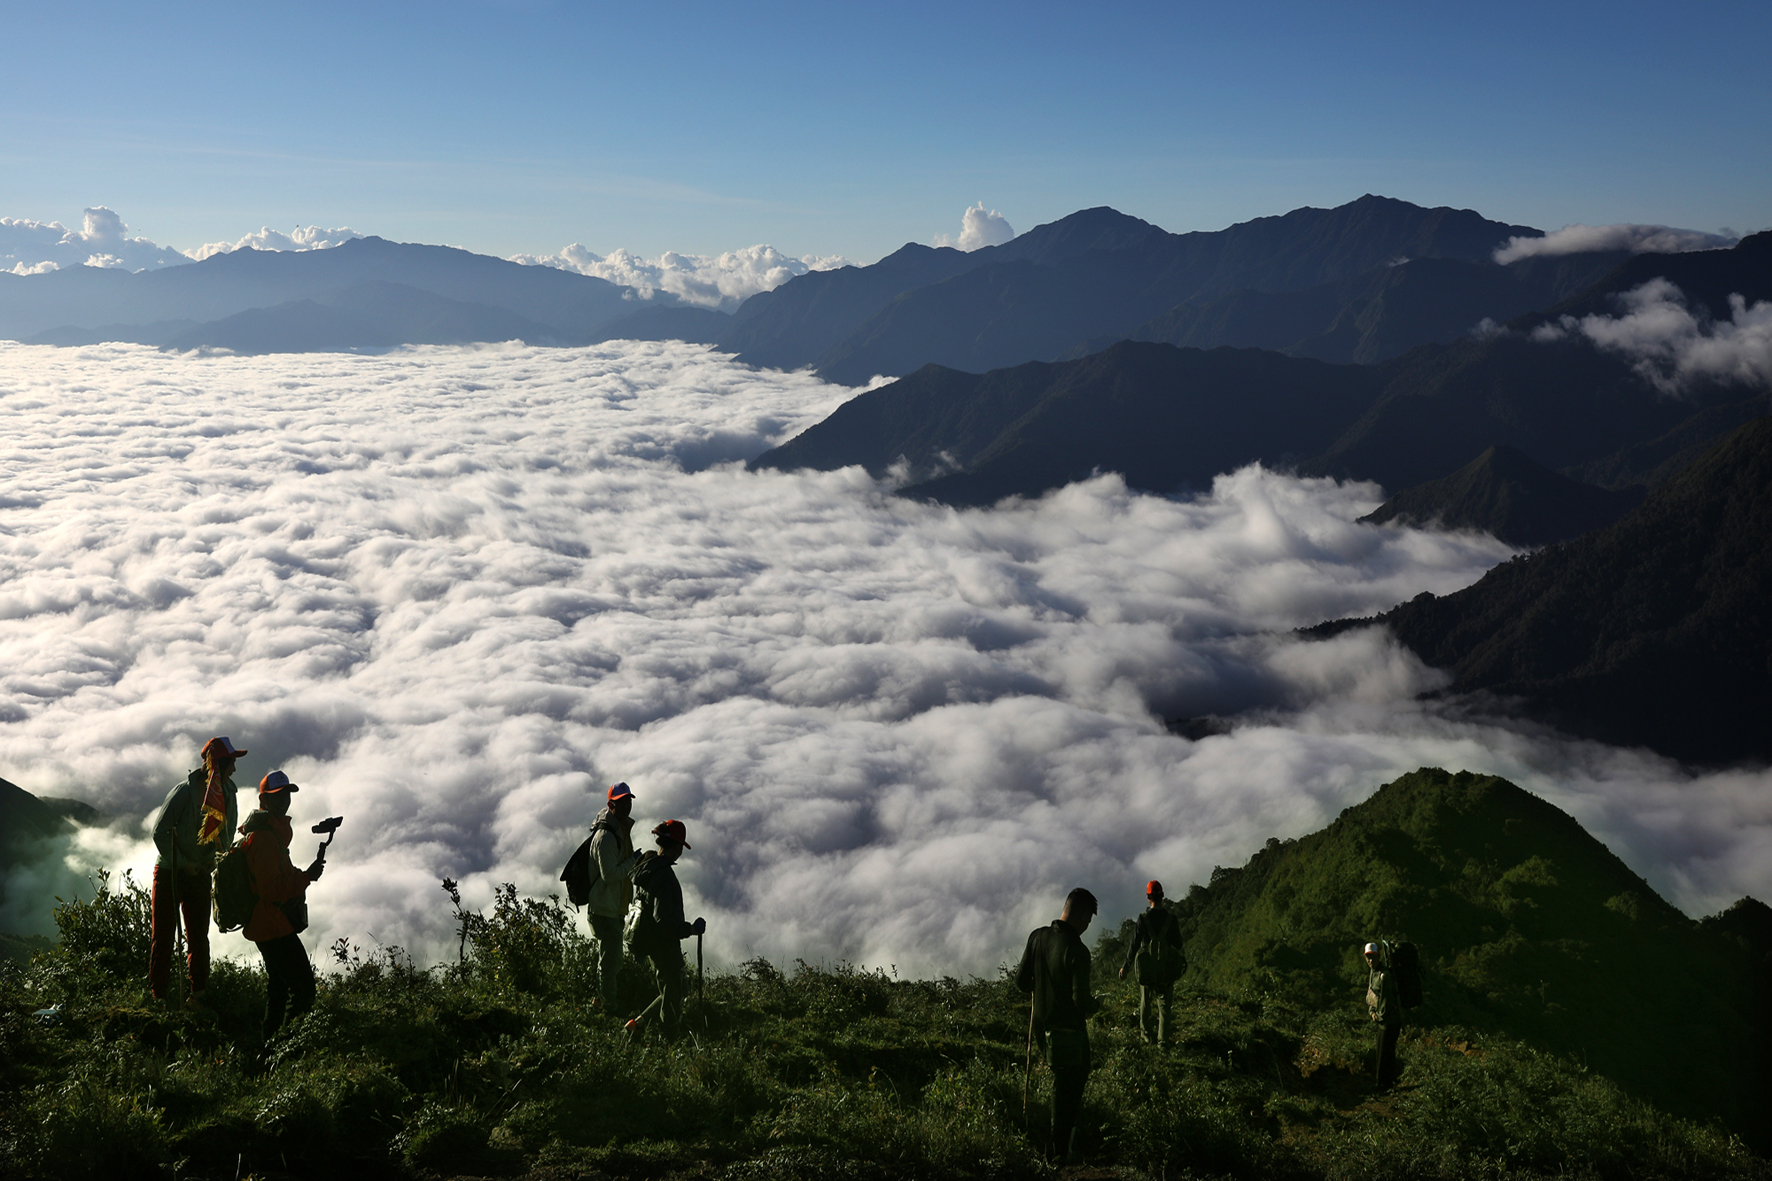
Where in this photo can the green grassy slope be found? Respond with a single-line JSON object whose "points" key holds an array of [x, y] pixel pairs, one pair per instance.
{"points": [[1525, 924]]}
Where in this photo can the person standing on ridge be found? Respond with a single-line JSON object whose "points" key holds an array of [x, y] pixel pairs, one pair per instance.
{"points": [[660, 929], [1158, 936], [1055, 970], [612, 853], [191, 830], [281, 912], [1386, 1008]]}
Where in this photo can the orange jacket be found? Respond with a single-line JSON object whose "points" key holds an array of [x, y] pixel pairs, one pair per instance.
{"points": [[274, 877]]}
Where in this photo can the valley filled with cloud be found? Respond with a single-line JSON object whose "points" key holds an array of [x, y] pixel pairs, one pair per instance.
{"points": [[454, 592]]}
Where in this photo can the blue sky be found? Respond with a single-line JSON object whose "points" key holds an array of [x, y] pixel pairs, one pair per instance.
{"points": [[522, 125]]}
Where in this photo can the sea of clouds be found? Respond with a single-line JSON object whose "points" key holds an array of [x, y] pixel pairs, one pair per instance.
{"points": [[454, 593]]}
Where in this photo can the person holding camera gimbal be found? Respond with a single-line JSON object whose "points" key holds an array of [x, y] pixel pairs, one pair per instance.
{"points": [[281, 912]]}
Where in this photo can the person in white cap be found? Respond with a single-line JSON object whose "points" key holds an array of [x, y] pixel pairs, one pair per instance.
{"points": [[1386, 1008], [612, 853], [281, 912], [194, 825]]}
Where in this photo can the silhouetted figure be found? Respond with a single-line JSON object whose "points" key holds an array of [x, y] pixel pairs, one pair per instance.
{"points": [[1386, 1008], [281, 912], [659, 929], [1055, 970], [613, 856], [193, 828], [1158, 936]]}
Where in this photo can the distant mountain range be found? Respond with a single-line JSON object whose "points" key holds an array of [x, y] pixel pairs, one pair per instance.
{"points": [[1171, 418], [1651, 632], [367, 292], [1524, 923]]}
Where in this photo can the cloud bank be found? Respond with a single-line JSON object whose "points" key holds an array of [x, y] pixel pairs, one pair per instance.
{"points": [[1673, 347], [979, 227], [303, 238], [455, 592], [720, 281], [34, 247], [1638, 239]]}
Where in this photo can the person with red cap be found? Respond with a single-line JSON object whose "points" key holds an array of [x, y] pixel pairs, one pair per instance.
{"points": [[281, 912], [190, 831], [1158, 937], [613, 858], [659, 929]]}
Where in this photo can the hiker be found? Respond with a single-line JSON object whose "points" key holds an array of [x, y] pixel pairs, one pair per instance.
{"points": [[281, 912], [1158, 936], [1386, 1008], [659, 929], [1055, 969], [192, 828], [613, 857]]}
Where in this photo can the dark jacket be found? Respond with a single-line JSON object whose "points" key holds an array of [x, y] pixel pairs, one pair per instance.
{"points": [[1154, 923], [660, 925], [274, 877], [181, 820], [1055, 969]]}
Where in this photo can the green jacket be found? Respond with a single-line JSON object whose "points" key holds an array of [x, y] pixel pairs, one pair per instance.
{"points": [[1381, 997], [180, 820]]}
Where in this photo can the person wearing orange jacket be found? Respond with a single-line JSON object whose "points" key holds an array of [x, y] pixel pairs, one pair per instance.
{"points": [[281, 913]]}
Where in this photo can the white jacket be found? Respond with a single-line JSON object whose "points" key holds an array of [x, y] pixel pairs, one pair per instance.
{"points": [[612, 853]]}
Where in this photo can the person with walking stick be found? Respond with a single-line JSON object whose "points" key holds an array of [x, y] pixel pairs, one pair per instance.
{"points": [[660, 928], [1054, 969]]}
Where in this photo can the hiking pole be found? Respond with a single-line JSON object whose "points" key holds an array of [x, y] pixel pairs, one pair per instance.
{"points": [[1028, 1073], [698, 994]]}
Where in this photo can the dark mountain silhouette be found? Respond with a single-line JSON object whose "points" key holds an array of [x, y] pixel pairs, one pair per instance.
{"points": [[569, 305], [1505, 493], [1096, 271], [1524, 923], [1567, 404], [1652, 632], [367, 316], [1165, 418], [1377, 315]]}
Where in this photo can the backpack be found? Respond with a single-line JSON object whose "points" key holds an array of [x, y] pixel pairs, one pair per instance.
{"points": [[640, 926], [1406, 963], [234, 897], [580, 873], [1158, 963]]}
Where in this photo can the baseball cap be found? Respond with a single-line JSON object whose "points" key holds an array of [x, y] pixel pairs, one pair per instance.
{"points": [[223, 747], [1371, 949], [620, 791], [1153, 887], [673, 830], [275, 781]]}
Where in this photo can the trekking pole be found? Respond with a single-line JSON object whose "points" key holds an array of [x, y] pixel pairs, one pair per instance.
{"points": [[698, 994], [1028, 1073]]}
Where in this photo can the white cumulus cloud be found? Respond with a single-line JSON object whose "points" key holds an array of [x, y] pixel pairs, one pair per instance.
{"points": [[301, 238], [35, 247], [455, 592], [720, 281], [1673, 346], [979, 227], [1638, 239]]}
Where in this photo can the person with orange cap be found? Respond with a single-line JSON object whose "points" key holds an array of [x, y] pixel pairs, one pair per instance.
{"points": [[190, 831], [1158, 937], [281, 912], [613, 857], [659, 929]]}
